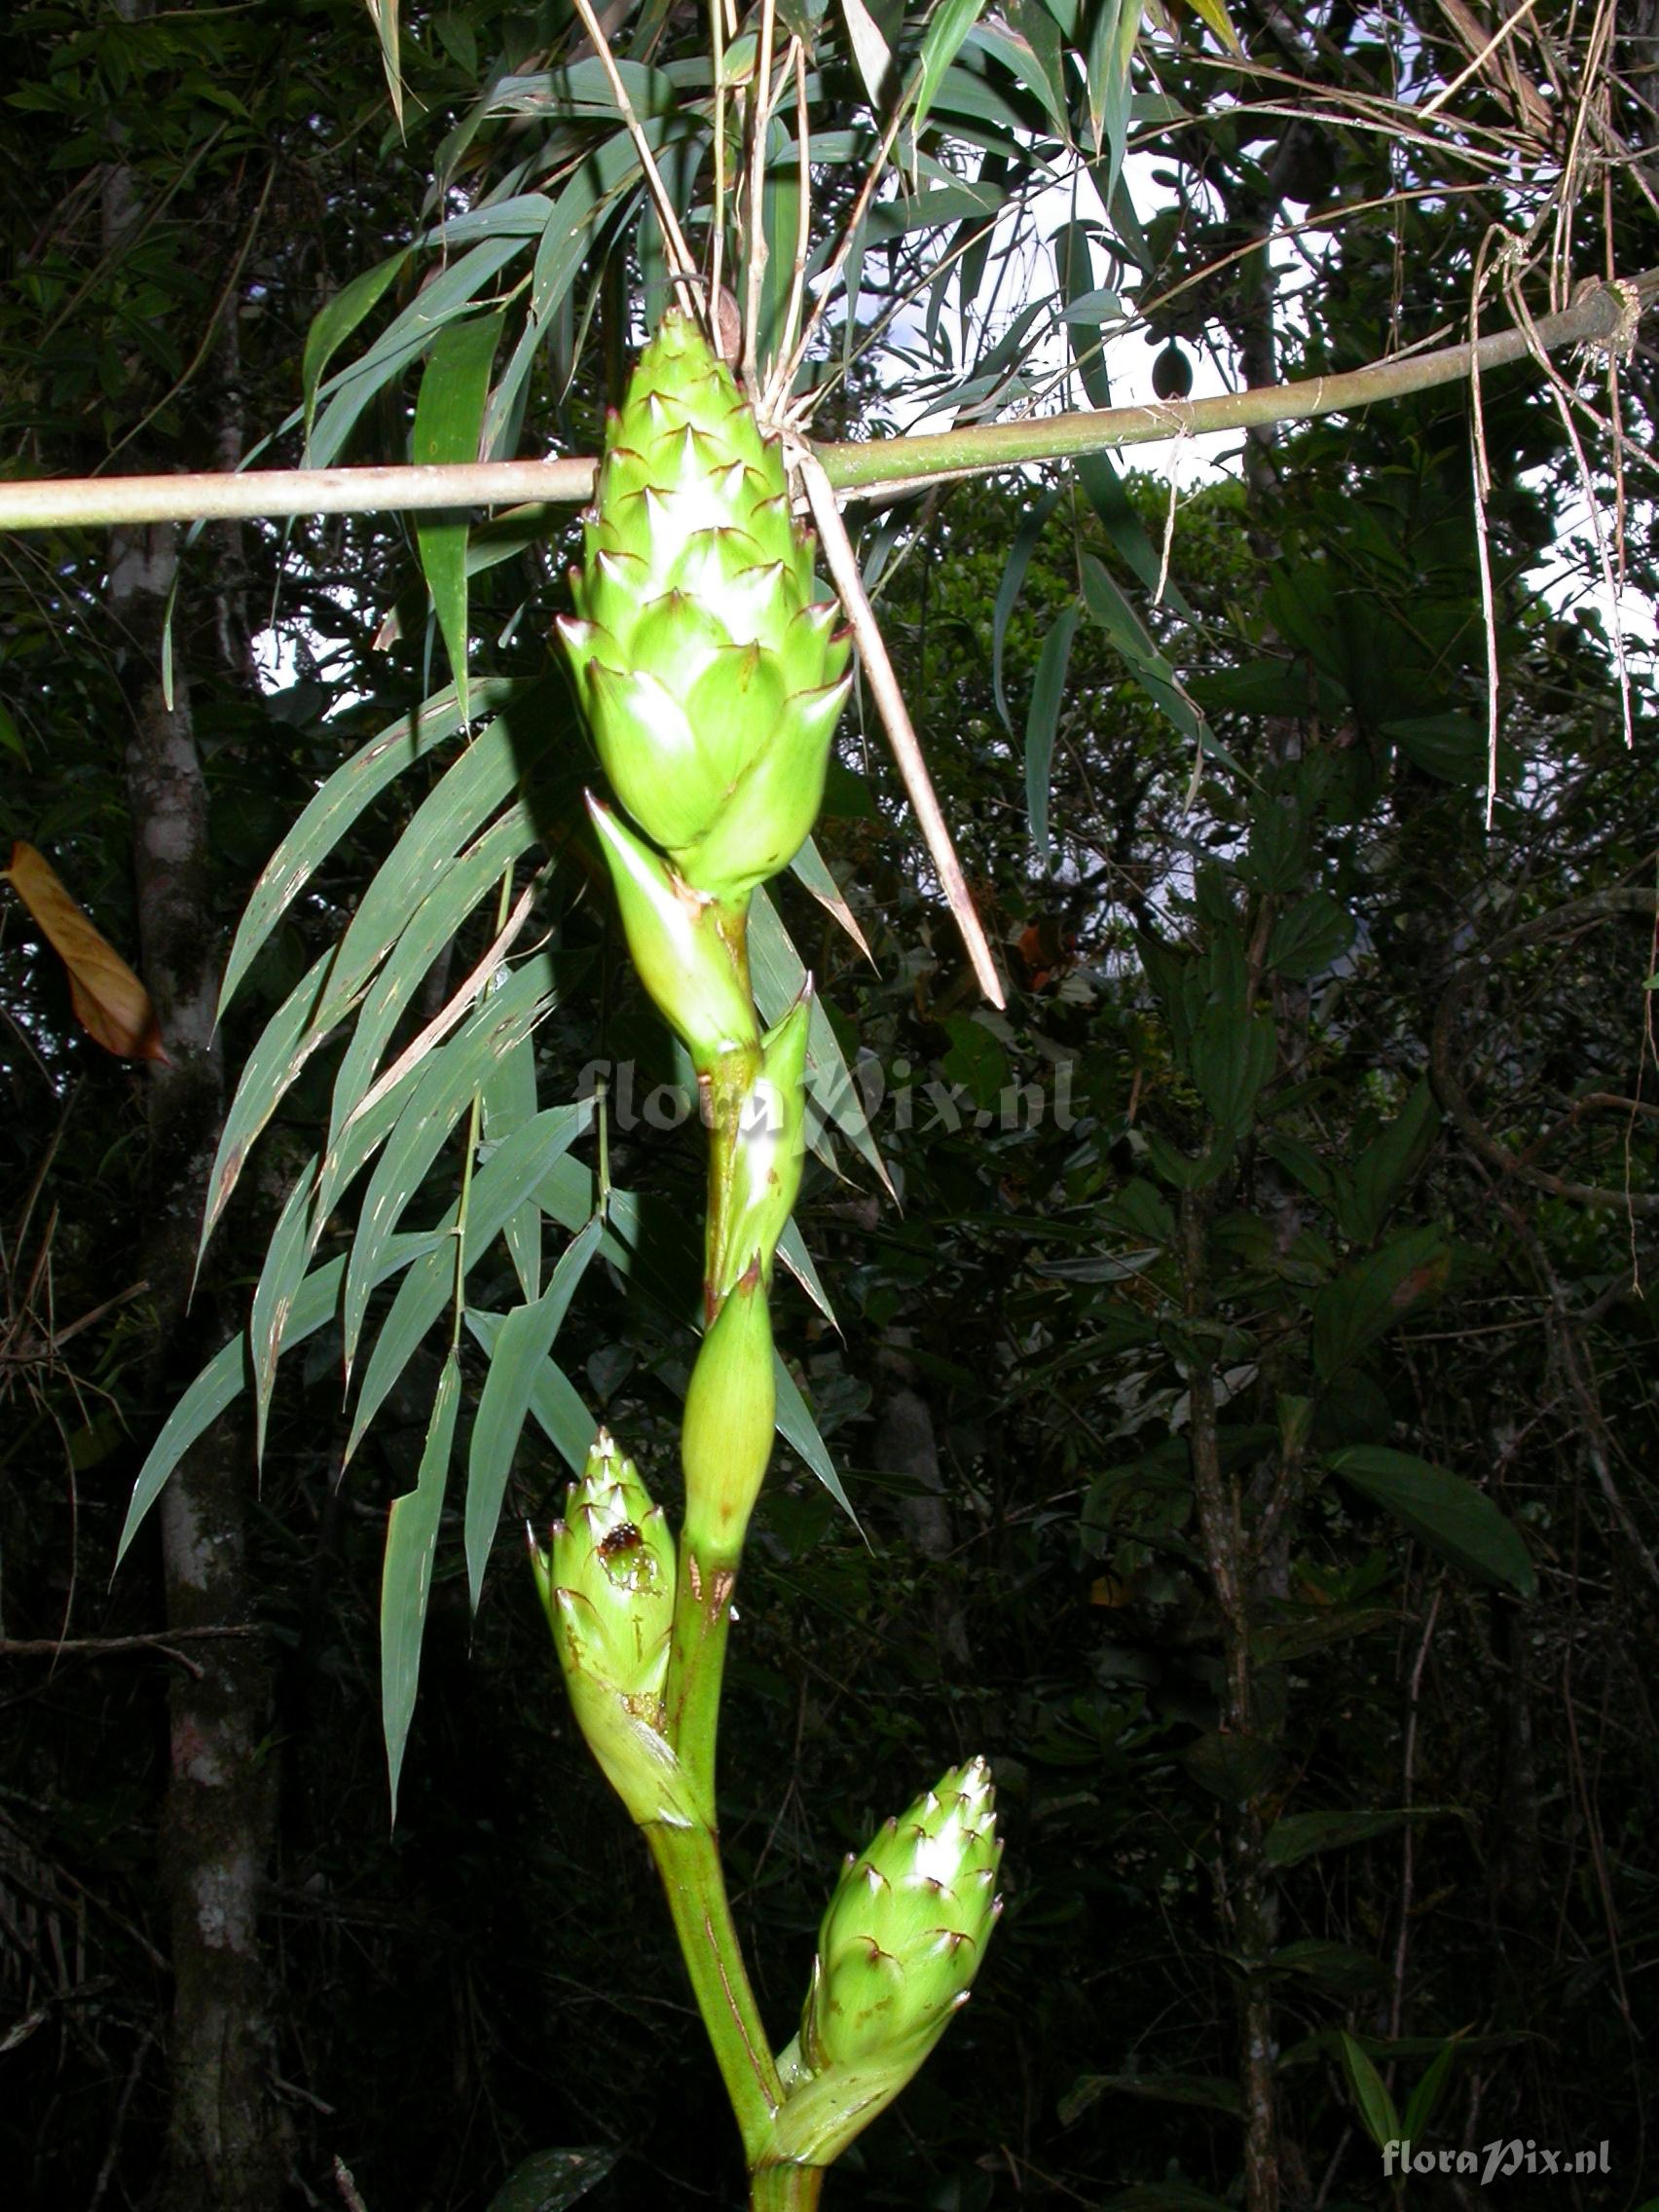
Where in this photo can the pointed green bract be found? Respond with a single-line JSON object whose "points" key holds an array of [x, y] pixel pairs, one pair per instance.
{"points": [[730, 1413], [607, 1579], [691, 954], [766, 1154], [711, 672]]}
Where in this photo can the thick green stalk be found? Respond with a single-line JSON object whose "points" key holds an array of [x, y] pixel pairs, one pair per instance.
{"points": [[786, 2188], [696, 1668], [688, 1861]]}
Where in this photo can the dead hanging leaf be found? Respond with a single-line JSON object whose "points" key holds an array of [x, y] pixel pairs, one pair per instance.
{"points": [[110, 1003]]}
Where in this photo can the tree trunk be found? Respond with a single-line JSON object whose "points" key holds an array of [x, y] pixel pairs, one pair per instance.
{"points": [[225, 2139], [906, 1445]]}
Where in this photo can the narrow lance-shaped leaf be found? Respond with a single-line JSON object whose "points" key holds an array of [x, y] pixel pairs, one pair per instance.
{"points": [[442, 1093], [352, 787], [499, 1185], [517, 1361], [1047, 696], [406, 1574], [334, 324], [449, 418], [482, 779], [948, 26], [223, 1379], [1009, 589]]}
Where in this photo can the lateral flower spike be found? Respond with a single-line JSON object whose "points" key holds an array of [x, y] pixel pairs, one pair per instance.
{"points": [[898, 1950], [606, 1580], [908, 1925], [711, 672]]}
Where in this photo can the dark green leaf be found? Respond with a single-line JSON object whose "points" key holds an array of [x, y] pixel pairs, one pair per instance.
{"points": [[516, 1360], [449, 418], [1453, 1517], [1311, 936], [1376, 2107], [1301, 1835], [550, 2180], [1047, 696], [406, 1574], [1368, 1299]]}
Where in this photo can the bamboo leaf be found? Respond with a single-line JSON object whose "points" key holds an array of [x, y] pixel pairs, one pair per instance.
{"points": [[566, 244], [453, 292], [555, 1404], [792, 1252], [457, 893], [293, 1242], [443, 1091], [812, 871], [517, 1359], [449, 419], [1110, 59], [509, 1101], [1047, 694], [948, 26], [484, 776], [872, 56], [800, 1431], [1009, 590], [327, 817], [406, 1574], [223, 1379], [777, 974], [334, 324], [504, 1180]]}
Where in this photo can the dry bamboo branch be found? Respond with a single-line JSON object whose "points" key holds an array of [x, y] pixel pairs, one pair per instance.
{"points": [[876, 470]]}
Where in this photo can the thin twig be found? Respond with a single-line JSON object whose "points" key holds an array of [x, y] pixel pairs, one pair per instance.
{"points": [[717, 227], [681, 266], [760, 120], [803, 222], [107, 1646]]}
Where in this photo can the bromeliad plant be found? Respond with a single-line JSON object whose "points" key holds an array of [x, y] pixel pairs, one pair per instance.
{"points": [[712, 675]]}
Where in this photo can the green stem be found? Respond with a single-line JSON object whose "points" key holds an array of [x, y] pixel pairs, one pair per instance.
{"points": [[786, 2188], [696, 1668], [688, 1861]]}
